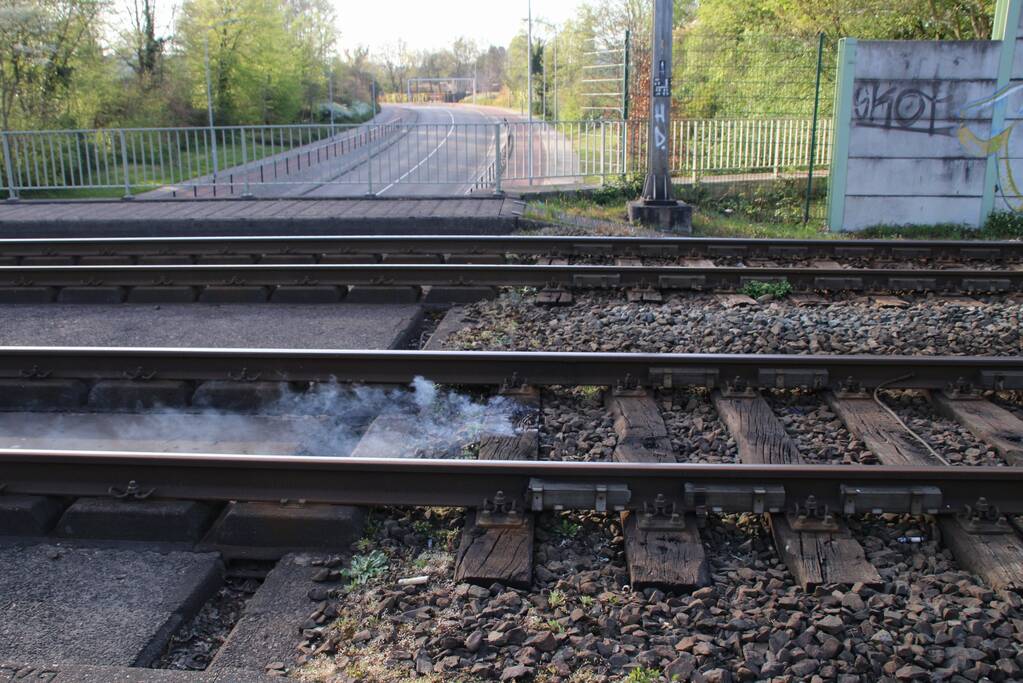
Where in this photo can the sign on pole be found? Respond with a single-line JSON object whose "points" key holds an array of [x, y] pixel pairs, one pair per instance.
{"points": [[657, 206]]}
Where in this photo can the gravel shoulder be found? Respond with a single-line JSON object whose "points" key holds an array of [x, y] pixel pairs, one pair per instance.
{"points": [[692, 323], [581, 622]]}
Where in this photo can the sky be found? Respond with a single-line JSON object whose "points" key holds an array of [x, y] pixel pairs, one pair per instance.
{"points": [[431, 24], [424, 24]]}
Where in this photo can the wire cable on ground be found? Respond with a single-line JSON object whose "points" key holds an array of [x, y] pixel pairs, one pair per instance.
{"points": [[877, 399]]}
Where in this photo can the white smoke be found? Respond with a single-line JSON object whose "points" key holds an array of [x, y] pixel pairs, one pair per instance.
{"points": [[324, 419]]}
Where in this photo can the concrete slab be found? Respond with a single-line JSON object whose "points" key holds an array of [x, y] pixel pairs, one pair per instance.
{"points": [[268, 531], [61, 604], [270, 626], [171, 432], [479, 215], [171, 521], [323, 326], [28, 515], [72, 673]]}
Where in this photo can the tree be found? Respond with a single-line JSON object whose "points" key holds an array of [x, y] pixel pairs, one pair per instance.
{"points": [[146, 49], [43, 45]]}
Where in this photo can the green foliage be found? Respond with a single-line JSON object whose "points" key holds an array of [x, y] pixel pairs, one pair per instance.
{"points": [[776, 288], [566, 528], [556, 598], [1000, 225], [775, 201], [555, 626], [643, 675], [366, 568]]}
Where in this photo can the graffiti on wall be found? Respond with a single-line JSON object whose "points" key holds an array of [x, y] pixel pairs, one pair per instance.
{"points": [[911, 107], [996, 142], [925, 107]]}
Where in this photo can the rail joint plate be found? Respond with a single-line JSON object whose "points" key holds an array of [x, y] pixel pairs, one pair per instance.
{"points": [[915, 500], [723, 498], [567, 495]]}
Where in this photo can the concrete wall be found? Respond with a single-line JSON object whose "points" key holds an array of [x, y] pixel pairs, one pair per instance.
{"points": [[914, 124]]}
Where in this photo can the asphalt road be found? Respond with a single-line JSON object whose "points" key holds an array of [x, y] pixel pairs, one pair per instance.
{"points": [[425, 150], [443, 154]]}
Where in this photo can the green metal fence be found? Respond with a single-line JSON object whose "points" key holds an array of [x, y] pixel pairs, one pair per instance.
{"points": [[766, 102]]}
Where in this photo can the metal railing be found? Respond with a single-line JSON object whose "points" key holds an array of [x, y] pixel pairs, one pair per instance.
{"points": [[439, 158]]}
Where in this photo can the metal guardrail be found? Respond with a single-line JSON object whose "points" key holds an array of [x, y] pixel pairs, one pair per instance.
{"points": [[373, 158]]}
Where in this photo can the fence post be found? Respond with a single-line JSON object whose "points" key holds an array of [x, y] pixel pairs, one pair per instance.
{"points": [[369, 161], [776, 133], [813, 128], [247, 192], [497, 158], [603, 148], [124, 164], [9, 168]]}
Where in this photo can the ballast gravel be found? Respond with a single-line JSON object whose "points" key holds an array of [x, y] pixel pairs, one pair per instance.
{"points": [[697, 434], [702, 323], [819, 434], [575, 425], [953, 442], [580, 621]]}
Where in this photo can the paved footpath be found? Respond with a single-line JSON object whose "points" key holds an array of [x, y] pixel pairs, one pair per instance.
{"points": [[480, 215]]}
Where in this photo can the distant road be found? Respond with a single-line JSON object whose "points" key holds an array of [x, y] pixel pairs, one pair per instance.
{"points": [[439, 156], [422, 150]]}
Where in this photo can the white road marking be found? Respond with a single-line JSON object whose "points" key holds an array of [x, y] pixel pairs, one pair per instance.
{"points": [[424, 159]]}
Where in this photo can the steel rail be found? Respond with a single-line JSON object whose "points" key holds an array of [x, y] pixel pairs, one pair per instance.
{"points": [[509, 368], [514, 244], [464, 483], [489, 275]]}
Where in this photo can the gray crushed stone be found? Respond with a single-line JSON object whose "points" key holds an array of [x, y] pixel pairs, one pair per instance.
{"points": [[819, 434], [696, 433], [580, 620], [951, 440], [575, 425], [692, 323]]}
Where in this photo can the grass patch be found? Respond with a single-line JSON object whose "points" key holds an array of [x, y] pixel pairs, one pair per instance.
{"points": [[779, 289], [772, 209], [83, 193]]}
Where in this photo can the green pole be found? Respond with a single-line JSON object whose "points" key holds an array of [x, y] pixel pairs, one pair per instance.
{"points": [[625, 101], [844, 79], [813, 128]]}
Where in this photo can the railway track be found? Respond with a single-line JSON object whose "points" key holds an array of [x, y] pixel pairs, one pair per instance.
{"points": [[460, 269], [30, 374], [321, 248], [664, 515], [323, 283], [510, 369]]}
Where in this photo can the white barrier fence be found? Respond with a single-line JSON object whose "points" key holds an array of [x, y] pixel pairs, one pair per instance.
{"points": [[452, 158]]}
